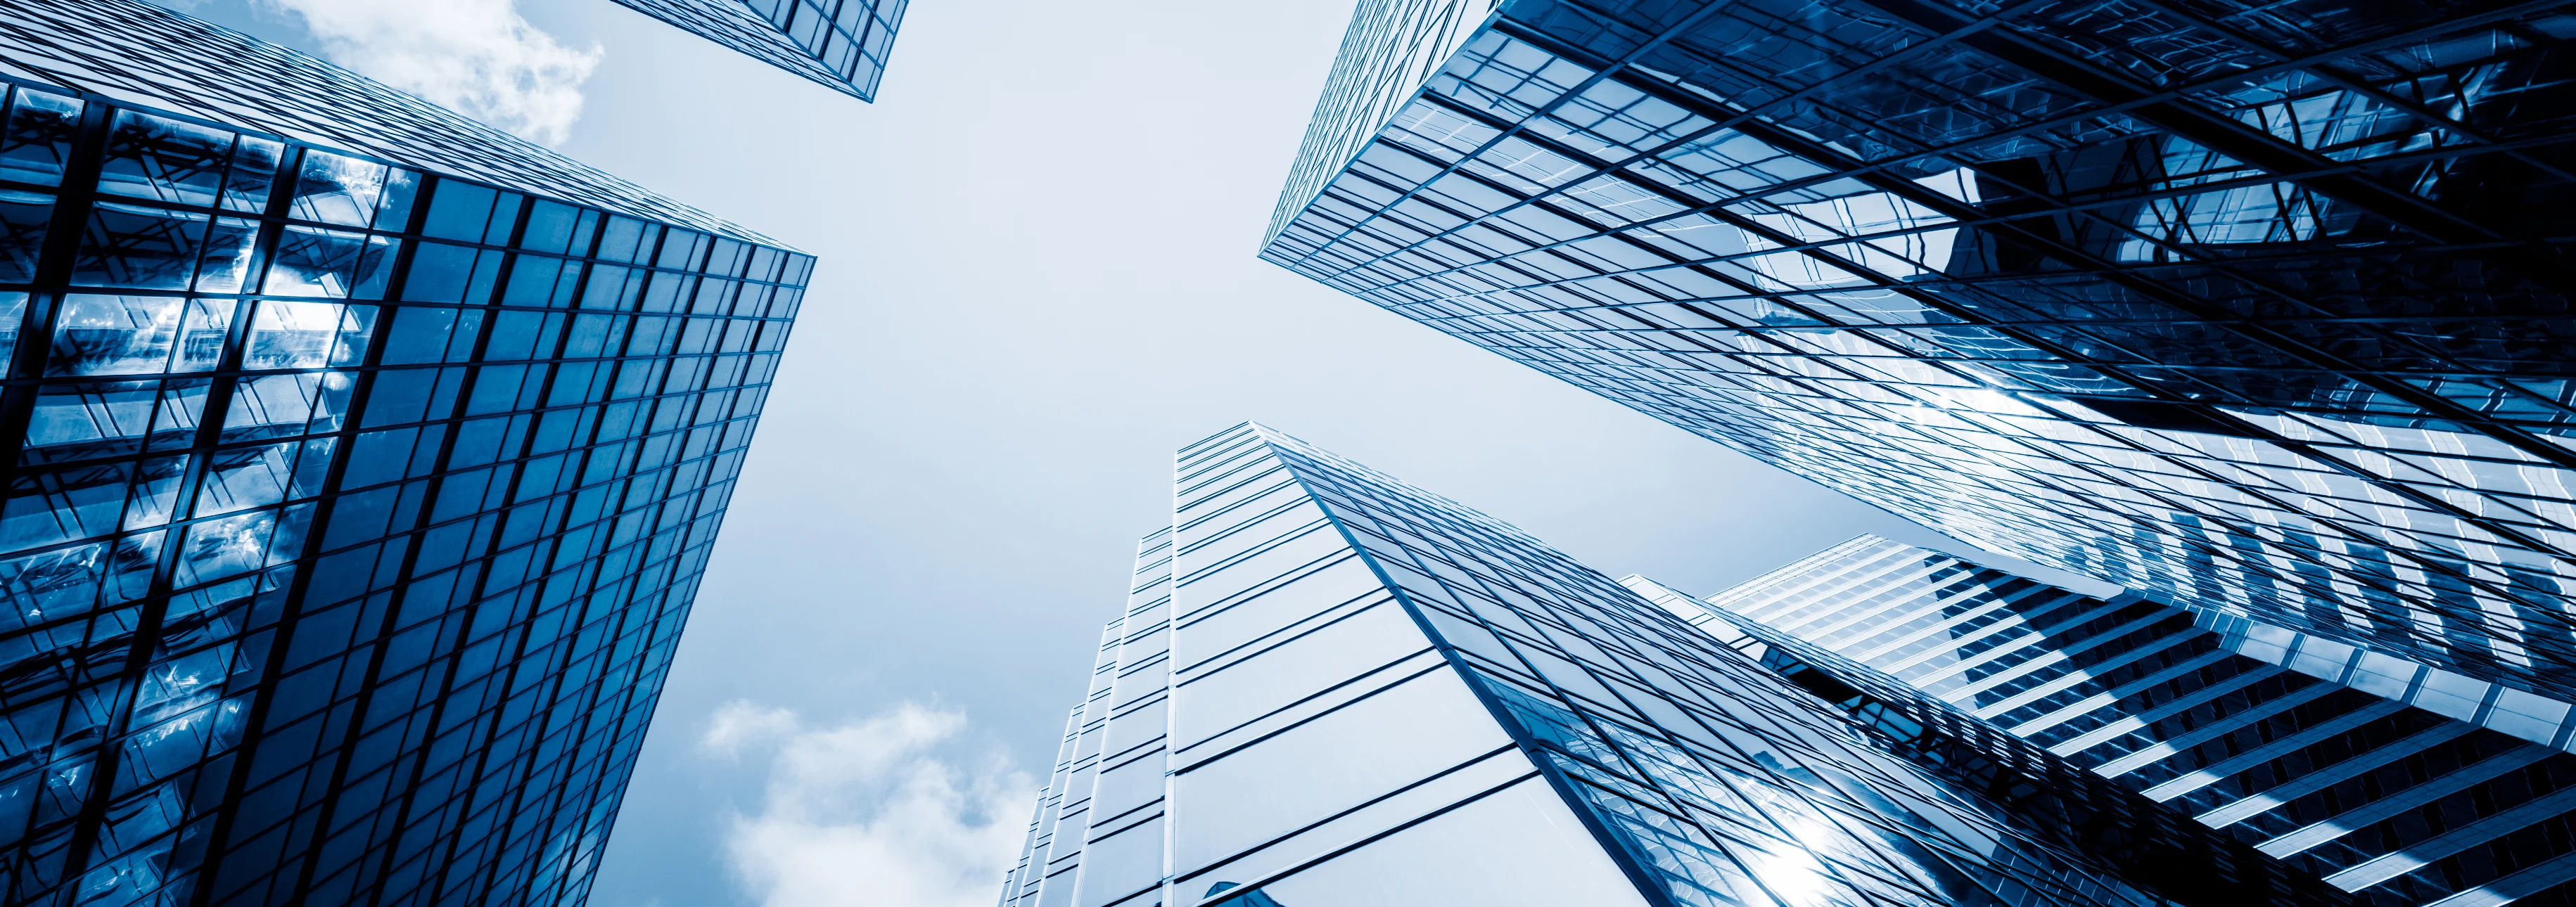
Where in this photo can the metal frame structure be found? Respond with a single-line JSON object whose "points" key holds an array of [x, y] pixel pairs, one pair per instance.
{"points": [[2257, 309], [362, 463], [839, 44], [2390, 780]]}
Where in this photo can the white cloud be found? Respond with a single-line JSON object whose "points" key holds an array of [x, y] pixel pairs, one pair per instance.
{"points": [[741, 723], [870, 814], [478, 57]]}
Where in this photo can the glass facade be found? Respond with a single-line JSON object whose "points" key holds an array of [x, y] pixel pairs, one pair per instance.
{"points": [[1330, 688], [841, 44], [2257, 308], [2403, 784], [367, 459]]}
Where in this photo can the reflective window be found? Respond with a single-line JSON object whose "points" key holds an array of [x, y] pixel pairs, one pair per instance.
{"points": [[267, 477], [2251, 354], [1567, 742]]}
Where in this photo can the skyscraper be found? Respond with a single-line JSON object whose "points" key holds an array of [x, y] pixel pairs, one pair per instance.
{"points": [[2401, 783], [367, 461], [2256, 308], [840, 43], [1330, 688]]}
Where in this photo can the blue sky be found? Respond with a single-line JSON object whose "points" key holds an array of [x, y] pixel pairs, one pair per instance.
{"points": [[1036, 280]]}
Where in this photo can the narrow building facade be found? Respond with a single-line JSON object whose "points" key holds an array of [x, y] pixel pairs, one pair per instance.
{"points": [[1328, 687]]}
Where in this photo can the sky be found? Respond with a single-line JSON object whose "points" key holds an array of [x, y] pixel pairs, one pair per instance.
{"points": [[1036, 280]]}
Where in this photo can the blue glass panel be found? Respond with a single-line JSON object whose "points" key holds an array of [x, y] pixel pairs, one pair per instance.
{"points": [[24, 217], [312, 261], [144, 758], [164, 160], [38, 139], [337, 189]]}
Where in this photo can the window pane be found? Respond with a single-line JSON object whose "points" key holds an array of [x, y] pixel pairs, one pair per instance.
{"points": [[254, 174], [1336, 761], [39, 137], [85, 421], [163, 160], [337, 190], [336, 263], [306, 334], [134, 246], [1517, 848], [114, 335], [23, 219]]}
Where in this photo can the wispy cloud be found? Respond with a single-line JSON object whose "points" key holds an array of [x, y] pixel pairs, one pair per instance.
{"points": [[478, 57], [871, 812]]}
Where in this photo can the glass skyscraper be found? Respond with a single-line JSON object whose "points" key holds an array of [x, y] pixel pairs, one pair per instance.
{"points": [[2398, 782], [367, 460], [1329, 688], [2257, 308], [840, 43]]}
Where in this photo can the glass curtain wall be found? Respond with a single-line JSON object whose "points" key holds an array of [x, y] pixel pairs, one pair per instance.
{"points": [[355, 506], [2257, 308], [839, 44], [2386, 778], [1328, 687]]}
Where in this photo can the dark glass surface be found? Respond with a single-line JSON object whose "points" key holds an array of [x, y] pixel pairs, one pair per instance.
{"points": [[2328, 759], [354, 504], [2257, 308], [840, 44]]}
